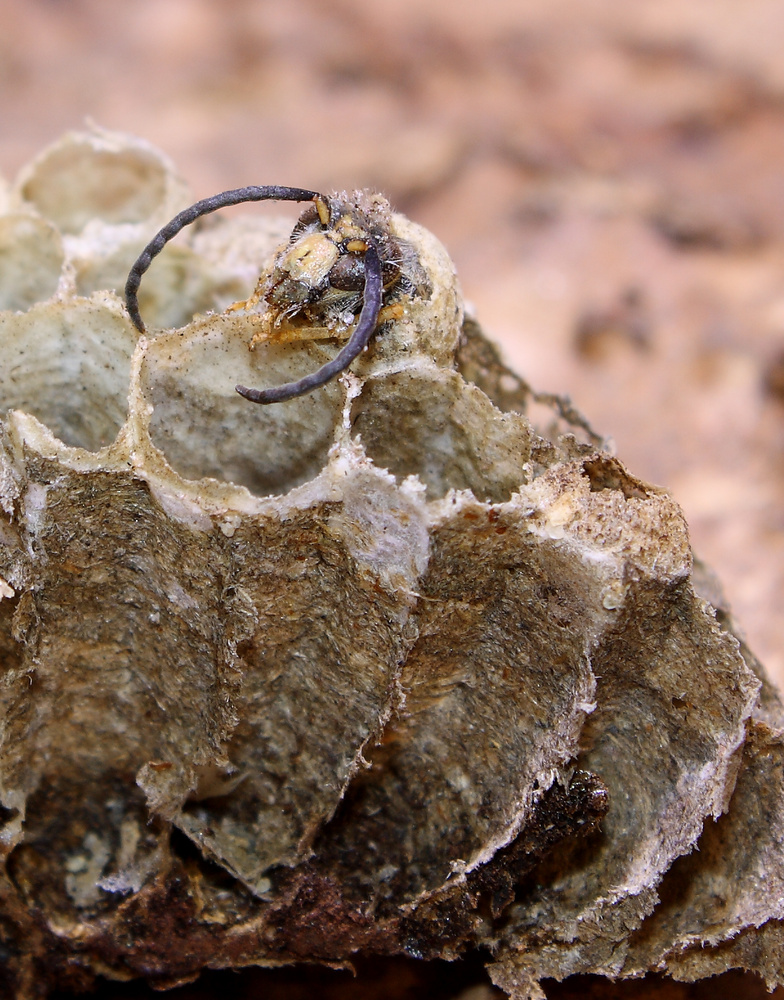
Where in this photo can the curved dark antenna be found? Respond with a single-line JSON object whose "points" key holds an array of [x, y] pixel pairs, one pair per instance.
{"points": [[366, 324], [204, 207]]}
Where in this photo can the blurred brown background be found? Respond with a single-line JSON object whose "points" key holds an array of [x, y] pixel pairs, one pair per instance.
{"points": [[608, 176]]}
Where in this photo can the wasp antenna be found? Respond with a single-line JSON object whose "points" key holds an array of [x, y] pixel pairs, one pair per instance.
{"points": [[235, 197], [368, 319]]}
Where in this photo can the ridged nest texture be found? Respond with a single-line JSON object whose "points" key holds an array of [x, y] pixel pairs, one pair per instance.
{"points": [[410, 664]]}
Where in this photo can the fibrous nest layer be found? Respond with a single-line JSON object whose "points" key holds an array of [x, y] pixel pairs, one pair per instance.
{"points": [[411, 665]]}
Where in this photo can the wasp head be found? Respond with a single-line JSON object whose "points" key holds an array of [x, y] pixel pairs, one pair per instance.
{"points": [[318, 278]]}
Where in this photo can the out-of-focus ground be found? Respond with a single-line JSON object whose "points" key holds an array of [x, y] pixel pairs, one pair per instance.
{"points": [[608, 176]]}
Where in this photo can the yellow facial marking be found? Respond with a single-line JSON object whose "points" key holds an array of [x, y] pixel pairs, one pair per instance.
{"points": [[347, 229], [311, 259]]}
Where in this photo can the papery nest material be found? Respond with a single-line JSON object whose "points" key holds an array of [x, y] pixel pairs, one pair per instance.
{"points": [[384, 669]]}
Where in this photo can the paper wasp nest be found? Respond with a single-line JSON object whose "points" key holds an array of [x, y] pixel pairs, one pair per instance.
{"points": [[384, 669]]}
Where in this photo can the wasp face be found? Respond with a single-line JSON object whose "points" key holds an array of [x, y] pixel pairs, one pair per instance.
{"points": [[318, 278]]}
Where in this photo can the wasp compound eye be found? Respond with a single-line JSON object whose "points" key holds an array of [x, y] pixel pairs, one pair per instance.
{"points": [[348, 273], [372, 286]]}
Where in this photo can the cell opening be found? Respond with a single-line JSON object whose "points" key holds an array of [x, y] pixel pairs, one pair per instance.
{"points": [[205, 429], [77, 182], [444, 431], [68, 364]]}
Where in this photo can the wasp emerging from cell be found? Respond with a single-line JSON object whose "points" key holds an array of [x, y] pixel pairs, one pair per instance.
{"points": [[342, 274]]}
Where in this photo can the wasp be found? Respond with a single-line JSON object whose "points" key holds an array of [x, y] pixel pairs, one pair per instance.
{"points": [[331, 279]]}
